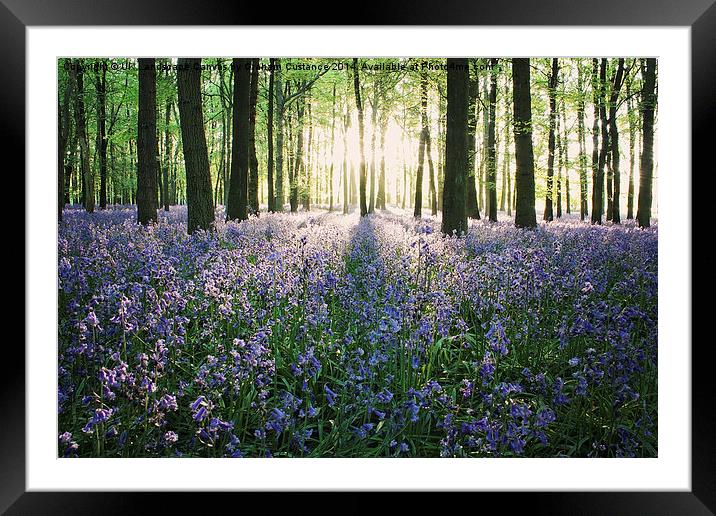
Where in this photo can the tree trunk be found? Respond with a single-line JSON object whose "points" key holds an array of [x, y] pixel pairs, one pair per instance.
{"points": [[599, 183], [86, 174], [308, 164], [373, 116], [278, 88], [269, 138], [646, 166], [441, 148], [346, 186], [525, 216], [63, 130], [333, 149], [565, 151], [168, 148], [380, 200], [253, 179], [614, 140], [196, 157], [431, 177], [418, 210], [295, 170], [583, 206], [560, 164], [597, 178], [147, 150], [484, 198], [552, 85], [491, 151], [237, 208], [473, 209], [505, 202], [632, 149], [456, 159], [101, 88], [361, 131]]}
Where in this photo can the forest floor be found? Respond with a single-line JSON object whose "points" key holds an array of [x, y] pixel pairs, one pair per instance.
{"points": [[320, 334]]}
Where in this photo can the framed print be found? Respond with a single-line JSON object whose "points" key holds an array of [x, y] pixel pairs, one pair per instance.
{"points": [[359, 258]]}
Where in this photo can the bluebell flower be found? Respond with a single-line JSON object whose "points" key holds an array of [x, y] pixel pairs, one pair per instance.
{"points": [[330, 395]]}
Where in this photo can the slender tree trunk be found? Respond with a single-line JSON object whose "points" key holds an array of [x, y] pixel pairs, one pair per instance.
{"points": [[253, 179], [85, 170], [147, 150], [361, 134], [483, 194], [614, 140], [71, 151], [222, 153], [441, 147], [346, 186], [131, 189], [491, 147], [583, 205], [373, 116], [525, 216], [228, 109], [646, 166], [380, 201], [295, 171], [632, 150], [278, 89], [565, 150], [101, 88], [168, 148], [597, 171], [63, 130], [333, 150], [196, 157], [308, 165], [456, 152], [552, 85], [237, 208], [174, 180], [560, 164], [418, 211], [506, 203], [290, 137], [269, 138], [604, 150]]}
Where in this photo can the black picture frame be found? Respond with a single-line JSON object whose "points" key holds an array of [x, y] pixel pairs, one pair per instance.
{"points": [[700, 15]]}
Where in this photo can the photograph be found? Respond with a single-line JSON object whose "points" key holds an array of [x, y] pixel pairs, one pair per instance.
{"points": [[357, 257]]}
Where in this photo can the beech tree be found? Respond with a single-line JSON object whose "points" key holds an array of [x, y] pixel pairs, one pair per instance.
{"points": [[198, 179], [552, 86], [581, 135], [615, 191], [646, 166], [86, 175], [101, 87], [361, 138], [417, 212], [147, 150], [491, 150], [236, 208], [525, 216], [63, 138], [599, 87], [269, 138], [253, 179], [473, 209], [454, 215]]}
